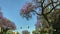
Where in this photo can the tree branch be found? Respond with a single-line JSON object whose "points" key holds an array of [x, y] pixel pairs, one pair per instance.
{"points": [[45, 16], [42, 6], [37, 13], [49, 4], [52, 3], [52, 9]]}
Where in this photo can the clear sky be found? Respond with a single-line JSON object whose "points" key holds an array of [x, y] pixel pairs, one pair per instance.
{"points": [[11, 9]]}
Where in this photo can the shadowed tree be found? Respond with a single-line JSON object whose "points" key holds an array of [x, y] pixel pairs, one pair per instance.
{"points": [[46, 10]]}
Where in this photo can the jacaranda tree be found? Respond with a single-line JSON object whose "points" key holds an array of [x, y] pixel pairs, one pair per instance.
{"points": [[6, 24], [46, 9]]}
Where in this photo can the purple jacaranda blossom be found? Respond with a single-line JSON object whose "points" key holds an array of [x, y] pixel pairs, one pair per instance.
{"points": [[6, 23], [27, 9]]}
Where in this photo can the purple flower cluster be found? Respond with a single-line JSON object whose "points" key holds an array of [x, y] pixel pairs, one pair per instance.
{"points": [[5, 23], [27, 9]]}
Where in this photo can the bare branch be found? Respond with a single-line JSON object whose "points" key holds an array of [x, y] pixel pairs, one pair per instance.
{"points": [[46, 19], [37, 13], [52, 3], [42, 6], [49, 4], [52, 9]]}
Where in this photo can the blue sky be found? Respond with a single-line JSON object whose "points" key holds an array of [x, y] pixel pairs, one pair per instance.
{"points": [[11, 9]]}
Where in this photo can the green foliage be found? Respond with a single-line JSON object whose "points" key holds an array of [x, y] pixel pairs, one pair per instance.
{"points": [[9, 32], [18, 33], [35, 32]]}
